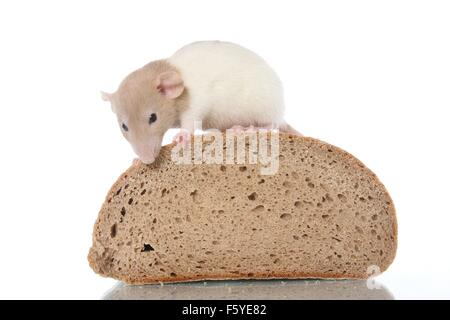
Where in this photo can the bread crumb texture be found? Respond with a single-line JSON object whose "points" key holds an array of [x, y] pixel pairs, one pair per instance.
{"points": [[322, 215]]}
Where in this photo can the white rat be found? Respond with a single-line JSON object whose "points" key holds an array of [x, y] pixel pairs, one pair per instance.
{"points": [[219, 83]]}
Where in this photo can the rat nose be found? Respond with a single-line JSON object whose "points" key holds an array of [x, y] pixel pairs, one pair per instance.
{"points": [[145, 153]]}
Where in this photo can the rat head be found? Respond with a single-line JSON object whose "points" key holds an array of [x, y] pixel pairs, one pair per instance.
{"points": [[147, 104]]}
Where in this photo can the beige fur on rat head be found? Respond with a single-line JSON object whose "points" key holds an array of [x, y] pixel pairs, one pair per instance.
{"points": [[147, 104]]}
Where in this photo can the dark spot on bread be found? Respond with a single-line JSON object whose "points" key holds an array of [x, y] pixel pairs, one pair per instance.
{"points": [[147, 248]]}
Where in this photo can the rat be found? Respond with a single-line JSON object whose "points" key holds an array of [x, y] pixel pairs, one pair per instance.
{"points": [[221, 84]]}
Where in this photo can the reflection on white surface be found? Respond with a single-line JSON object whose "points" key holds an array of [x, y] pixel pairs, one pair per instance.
{"points": [[252, 289]]}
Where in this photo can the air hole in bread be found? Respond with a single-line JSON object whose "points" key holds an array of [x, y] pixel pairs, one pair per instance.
{"points": [[194, 195], [342, 197], [118, 191], [223, 168], [130, 201], [173, 274], [164, 192], [243, 168], [261, 181], [286, 216], [147, 248], [310, 184], [113, 230], [143, 192], [252, 196], [258, 208], [123, 212]]}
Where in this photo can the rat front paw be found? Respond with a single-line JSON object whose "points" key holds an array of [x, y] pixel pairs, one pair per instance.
{"points": [[135, 162], [182, 137]]}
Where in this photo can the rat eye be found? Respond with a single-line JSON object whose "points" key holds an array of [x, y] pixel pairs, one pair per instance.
{"points": [[152, 118], [124, 127]]}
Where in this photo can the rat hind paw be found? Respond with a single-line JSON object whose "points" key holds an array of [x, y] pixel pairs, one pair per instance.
{"points": [[237, 128]]}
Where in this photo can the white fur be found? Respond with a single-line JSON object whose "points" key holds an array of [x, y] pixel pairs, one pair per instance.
{"points": [[228, 85]]}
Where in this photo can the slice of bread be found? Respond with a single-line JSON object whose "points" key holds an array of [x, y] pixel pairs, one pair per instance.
{"points": [[322, 215]]}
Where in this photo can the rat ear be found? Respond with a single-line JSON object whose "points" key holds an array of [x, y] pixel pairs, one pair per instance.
{"points": [[170, 84], [106, 96]]}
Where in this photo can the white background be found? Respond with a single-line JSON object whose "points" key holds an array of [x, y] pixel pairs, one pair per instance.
{"points": [[372, 77]]}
